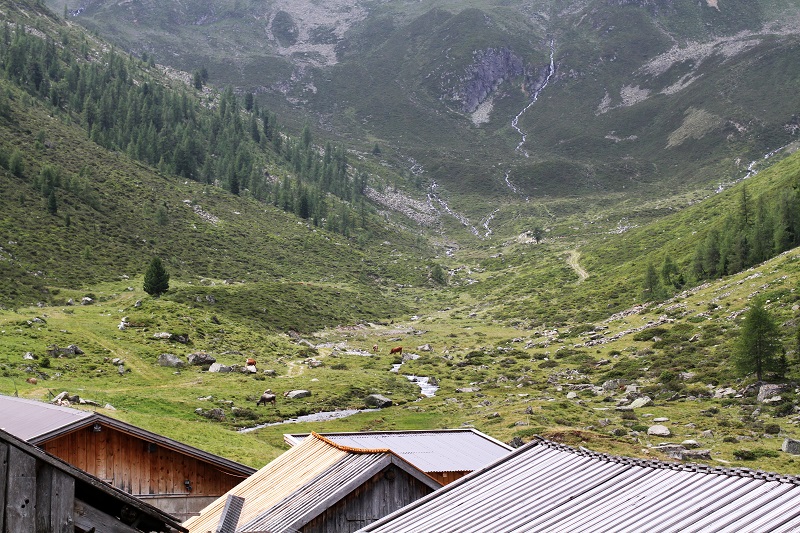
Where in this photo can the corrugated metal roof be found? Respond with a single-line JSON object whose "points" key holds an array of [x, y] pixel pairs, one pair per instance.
{"points": [[300, 484], [274, 482], [27, 419], [460, 450], [301, 506], [545, 486]]}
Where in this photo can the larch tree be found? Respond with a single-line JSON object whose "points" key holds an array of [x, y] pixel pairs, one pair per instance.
{"points": [[758, 345]]}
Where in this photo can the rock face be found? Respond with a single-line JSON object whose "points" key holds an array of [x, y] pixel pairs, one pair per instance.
{"points": [[293, 395], [791, 446], [170, 360], [377, 400], [200, 359], [489, 69]]}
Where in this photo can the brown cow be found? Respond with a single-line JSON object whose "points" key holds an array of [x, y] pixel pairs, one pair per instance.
{"points": [[374, 348], [267, 397], [251, 362], [396, 349]]}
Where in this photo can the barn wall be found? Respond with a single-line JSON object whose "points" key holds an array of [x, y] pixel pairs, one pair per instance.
{"points": [[448, 477], [384, 493], [138, 466]]}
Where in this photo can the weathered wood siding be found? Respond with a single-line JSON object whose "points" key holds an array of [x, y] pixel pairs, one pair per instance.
{"points": [[382, 494], [137, 466], [448, 477]]}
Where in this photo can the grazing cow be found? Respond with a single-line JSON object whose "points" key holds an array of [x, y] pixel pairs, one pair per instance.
{"points": [[32, 381], [267, 397], [374, 348], [250, 362], [396, 349]]}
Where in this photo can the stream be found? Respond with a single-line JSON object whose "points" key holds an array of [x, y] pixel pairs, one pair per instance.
{"points": [[426, 389], [433, 196]]}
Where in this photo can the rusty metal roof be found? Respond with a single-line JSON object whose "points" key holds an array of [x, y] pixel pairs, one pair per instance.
{"points": [[28, 419], [450, 450], [545, 486], [300, 484]]}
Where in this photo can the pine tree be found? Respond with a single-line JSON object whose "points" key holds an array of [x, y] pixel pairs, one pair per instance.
{"points": [[52, 203], [758, 344], [156, 279]]}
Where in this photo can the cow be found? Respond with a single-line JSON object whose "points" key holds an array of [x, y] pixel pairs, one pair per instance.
{"points": [[267, 397], [374, 348], [250, 362], [396, 349]]}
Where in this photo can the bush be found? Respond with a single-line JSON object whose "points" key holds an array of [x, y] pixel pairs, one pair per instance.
{"points": [[772, 429]]}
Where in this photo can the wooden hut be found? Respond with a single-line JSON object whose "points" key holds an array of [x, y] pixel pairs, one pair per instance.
{"points": [[170, 475], [40, 493]]}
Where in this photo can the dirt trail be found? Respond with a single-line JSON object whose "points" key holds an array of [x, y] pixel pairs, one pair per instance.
{"points": [[572, 261]]}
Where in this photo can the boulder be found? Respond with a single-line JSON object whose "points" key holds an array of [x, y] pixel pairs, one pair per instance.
{"points": [[270, 372], [468, 389], [109, 407], [661, 419], [200, 359], [791, 446], [250, 369], [295, 394], [63, 396], [615, 384], [216, 367], [690, 444], [768, 391], [644, 401], [28, 356], [377, 400], [696, 455], [170, 360], [659, 431], [86, 301], [425, 348]]}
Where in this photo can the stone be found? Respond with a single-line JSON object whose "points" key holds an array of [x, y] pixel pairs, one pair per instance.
{"points": [[29, 356], [86, 301], [109, 407], [791, 446], [409, 357], [768, 391], [674, 451], [425, 348], [117, 361], [689, 443], [270, 372], [659, 431], [200, 359], [295, 394], [661, 419], [59, 397], [70, 302], [377, 400], [616, 384], [644, 401], [250, 369], [138, 303], [707, 434], [722, 393], [170, 360], [572, 395], [216, 367], [468, 389]]}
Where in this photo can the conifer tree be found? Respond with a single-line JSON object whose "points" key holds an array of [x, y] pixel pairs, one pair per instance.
{"points": [[758, 344], [156, 279]]}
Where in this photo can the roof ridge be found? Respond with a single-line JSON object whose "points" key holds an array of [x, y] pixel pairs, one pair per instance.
{"points": [[350, 449], [666, 465]]}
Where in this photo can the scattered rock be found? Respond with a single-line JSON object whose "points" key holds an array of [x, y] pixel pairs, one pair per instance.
{"points": [[250, 369], [572, 395], [200, 358], [425, 348], [722, 393], [493, 415], [516, 442], [644, 401], [60, 397], [70, 302], [707, 434], [791, 446], [661, 419], [690, 444], [768, 391], [213, 414], [216, 367], [468, 389], [109, 407], [270, 372], [615, 384], [29, 356], [138, 303], [659, 431], [295, 394], [170, 360], [117, 361], [86, 301], [376, 400], [695, 455]]}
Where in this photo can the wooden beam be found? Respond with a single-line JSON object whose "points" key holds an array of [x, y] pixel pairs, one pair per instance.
{"points": [[20, 491], [87, 517], [3, 476]]}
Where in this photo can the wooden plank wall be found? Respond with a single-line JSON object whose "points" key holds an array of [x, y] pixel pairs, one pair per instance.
{"points": [[135, 466], [379, 496], [34, 496]]}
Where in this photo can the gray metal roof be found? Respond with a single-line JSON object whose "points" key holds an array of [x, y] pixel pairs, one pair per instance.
{"points": [[27, 419], [545, 486], [455, 450]]}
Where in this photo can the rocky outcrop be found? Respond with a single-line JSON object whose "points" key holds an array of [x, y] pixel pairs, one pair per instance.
{"points": [[488, 70]]}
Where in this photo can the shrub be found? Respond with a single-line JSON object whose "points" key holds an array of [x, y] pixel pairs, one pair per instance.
{"points": [[772, 429]]}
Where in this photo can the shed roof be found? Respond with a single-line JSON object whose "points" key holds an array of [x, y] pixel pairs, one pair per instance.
{"points": [[300, 484], [39, 422], [449, 450], [545, 486]]}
